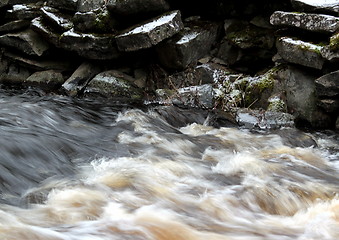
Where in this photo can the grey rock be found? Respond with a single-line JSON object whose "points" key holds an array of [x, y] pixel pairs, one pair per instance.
{"points": [[329, 105], [5, 3], [91, 46], [187, 46], [70, 5], [195, 96], [337, 123], [90, 5], [320, 5], [328, 85], [263, 120], [58, 20], [44, 30], [132, 7], [80, 78], [14, 26], [150, 33], [114, 84], [229, 53], [25, 11], [307, 21], [50, 80], [300, 52], [27, 41], [329, 54], [99, 21], [14, 74]]}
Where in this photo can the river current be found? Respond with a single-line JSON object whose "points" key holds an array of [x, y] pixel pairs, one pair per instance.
{"points": [[82, 169]]}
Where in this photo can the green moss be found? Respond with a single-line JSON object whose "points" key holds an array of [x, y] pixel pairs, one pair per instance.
{"points": [[334, 42], [276, 105]]}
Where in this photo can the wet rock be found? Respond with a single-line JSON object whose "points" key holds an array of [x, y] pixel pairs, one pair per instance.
{"points": [[300, 52], [4, 3], [114, 84], [50, 80], [187, 46], [320, 5], [44, 30], [89, 5], [14, 74], [58, 20], [25, 11], [229, 53], [99, 21], [27, 41], [264, 120], [337, 123], [14, 26], [294, 137], [151, 33], [307, 21], [132, 7], [331, 52], [329, 105], [328, 85], [91, 46], [195, 96], [80, 78], [70, 5]]}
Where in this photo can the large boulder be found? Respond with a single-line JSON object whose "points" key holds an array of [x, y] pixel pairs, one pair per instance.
{"points": [[328, 85], [150, 33], [91, 46], [188, 46], [27, 41], [307, 21], [114, 84], [300, 52], [316, 6], [133, 7]]}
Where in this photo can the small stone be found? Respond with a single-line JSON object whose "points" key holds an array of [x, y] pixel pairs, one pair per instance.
{"points": [[328, 85], [151, 33], [195, 96], [300, 52]]}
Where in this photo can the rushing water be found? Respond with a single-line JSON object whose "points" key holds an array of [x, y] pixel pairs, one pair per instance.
{"points": [[85, 170]]}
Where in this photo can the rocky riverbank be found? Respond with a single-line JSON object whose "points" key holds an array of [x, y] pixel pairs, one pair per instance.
{"points": [[280, 59]]}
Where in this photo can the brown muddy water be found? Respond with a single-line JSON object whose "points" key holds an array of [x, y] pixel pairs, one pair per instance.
{"points": [[89, 170]]}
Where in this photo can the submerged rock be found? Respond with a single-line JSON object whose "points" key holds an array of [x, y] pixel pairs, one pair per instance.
{"points": [[187, 46], [318, 5], [80, 78], [300, 52], [307, 21], [48, 80], [150, 33], [328, 85], [132, 7], [27, 41], [114, 84]]}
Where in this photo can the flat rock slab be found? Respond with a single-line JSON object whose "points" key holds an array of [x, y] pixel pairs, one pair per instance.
{"points": [[307, 21], [14, 26], [70, 5], [114, 84], [300, 52], [46, 79], [39, 25], [132, 7], [91, 46], [56, 19], [150, 33], [27, 41], [187, 46], [4, 3], [328, 85], [24, 11], [316, 5]]}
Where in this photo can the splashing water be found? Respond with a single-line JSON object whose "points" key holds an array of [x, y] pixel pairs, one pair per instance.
{"points": [[80, 170]]}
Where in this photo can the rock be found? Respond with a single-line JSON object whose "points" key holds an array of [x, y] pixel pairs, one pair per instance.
{"points": [[133, 7], [80, 78], [264, 120], [14, 74], [276, 104], [69, 5], [58, 20], [300, 52], [328, 85], [49, 34], [294, 137], [114, 84], [151, 33], [90, 5], [307, 21], [337, 123], [14, 26], [229, 53], [99, 21], [5, 3], [329, 105], [301, 97], [25, 11], [91, 46], [187, 46], [49, 80], [27, 41], [195, 96], [318, 6]]}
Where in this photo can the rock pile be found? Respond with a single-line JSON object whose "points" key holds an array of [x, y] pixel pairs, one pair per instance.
{"points": [[221, 54]]}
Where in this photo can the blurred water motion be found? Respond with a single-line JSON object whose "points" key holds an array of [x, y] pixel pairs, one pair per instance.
{"points": [[79, 169]]}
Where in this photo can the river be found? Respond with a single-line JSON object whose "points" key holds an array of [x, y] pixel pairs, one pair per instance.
{"points": [[82, 169]]}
